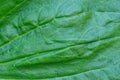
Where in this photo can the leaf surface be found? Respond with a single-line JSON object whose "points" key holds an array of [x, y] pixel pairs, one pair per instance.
{"points": [[60, 39]]}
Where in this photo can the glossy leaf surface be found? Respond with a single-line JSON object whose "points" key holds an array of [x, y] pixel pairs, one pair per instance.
{"points": [[60, 39]]}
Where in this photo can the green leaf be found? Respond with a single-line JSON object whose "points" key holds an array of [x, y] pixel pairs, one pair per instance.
{"points": [[60, 39]]}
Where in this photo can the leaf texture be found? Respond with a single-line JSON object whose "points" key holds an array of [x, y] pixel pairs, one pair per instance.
{"points": [[60, 39]]}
